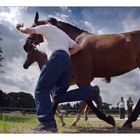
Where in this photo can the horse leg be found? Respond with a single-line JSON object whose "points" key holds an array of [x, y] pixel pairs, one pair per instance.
{"points": [[54, 107], [59, 114], [77, 118], [133, 117], [86, 111], [109, 119]]}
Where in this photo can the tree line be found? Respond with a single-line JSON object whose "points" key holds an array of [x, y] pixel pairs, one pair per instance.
{"points": [[26, 100], [16, 100]]}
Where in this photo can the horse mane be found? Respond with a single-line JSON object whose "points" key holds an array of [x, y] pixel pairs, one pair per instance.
{"points": [[60, 23]]}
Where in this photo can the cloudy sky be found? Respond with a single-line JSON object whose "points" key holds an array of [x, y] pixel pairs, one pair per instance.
{"points": [[99, 20]]}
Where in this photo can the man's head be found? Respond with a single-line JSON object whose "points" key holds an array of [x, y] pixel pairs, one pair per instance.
{"points": [[52, 21], [121, 98]]}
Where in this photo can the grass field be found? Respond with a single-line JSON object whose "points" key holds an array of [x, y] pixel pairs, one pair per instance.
{"points": [[17, 123]]}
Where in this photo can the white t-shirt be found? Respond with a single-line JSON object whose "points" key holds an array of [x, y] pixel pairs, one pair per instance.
{"points": [[56, 38], [121, 105]]}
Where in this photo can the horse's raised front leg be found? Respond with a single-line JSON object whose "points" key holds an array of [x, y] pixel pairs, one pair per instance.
{"points": [[133, 117], [109, 119]]}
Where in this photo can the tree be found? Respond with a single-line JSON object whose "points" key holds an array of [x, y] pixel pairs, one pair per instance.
{"points": [[21, 100], [106, 106], [1, 57], [2, 98]]}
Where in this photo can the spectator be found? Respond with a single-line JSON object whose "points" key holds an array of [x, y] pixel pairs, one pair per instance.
{"points": [[129, 106], [121, 106]]}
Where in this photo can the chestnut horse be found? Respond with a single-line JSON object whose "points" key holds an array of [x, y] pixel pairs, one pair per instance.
{"points": [[29, 46], [105, 56], [102, 56]]}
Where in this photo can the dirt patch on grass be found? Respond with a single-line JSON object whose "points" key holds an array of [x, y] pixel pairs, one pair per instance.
{"points": [[99, 130], [102, 127]]}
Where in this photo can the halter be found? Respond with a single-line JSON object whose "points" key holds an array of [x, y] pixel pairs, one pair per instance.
{"points": [[31, 43], [34, 49]]}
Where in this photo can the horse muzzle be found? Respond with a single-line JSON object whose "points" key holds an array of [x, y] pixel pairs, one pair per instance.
{"points": [[25, 66]]}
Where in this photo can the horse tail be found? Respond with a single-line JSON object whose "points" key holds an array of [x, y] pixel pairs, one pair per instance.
{"points": [[107, 79]]}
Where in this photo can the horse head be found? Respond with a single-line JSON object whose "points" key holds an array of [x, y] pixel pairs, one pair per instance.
{"points": [[35, 56], [30, 59]]}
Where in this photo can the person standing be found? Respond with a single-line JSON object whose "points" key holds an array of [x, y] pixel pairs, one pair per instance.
{"points": [[121, 106], [55, 74], [129, 106]]}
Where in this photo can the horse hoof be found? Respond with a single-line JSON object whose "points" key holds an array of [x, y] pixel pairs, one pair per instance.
{"points": [[127, 126], [63, 124], [86, 118], [111, 120], [73, 124]]}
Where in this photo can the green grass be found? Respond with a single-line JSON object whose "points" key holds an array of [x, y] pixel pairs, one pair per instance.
{"points": [[17, 123], [14, 123]]}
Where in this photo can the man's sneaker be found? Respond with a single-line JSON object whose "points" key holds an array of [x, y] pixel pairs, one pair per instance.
{"points": [[97, 98], [45, 127]]}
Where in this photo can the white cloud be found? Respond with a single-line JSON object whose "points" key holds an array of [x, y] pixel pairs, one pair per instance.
{"points": [[16, 76], [10, 15], [124, 85], [62, 17], [90, 27], [130, 23], [66, 10], [103, 31]]}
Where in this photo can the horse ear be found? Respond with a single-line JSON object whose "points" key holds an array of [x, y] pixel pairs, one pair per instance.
{"points": [[36, 17]]}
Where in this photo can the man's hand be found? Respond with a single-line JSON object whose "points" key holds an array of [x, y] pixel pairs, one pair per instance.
{"points": [[76, 48], [18, 26], [24, 29]]}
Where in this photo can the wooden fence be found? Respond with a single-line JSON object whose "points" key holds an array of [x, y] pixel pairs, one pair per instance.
{"points": [[63, 111]]}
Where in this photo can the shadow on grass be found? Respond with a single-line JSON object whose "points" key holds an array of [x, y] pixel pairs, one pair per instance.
{"points": [[133, 130]]}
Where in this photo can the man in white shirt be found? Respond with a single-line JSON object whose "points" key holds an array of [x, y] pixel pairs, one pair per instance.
{"points": [[121, 105], [55, 75]]}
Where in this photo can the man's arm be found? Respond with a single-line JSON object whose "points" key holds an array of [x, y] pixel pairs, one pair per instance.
{"points": [[76, 48], [25, 30]]}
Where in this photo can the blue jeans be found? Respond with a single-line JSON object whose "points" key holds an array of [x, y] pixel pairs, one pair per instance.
{"points": [[54, 79]]}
